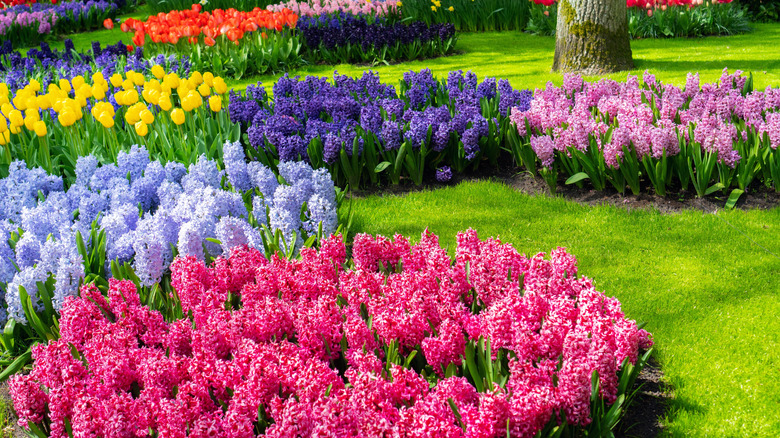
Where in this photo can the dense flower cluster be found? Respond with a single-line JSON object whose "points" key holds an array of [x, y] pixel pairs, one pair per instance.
{"points": [[333, 116], [328, 7], [317, 347], [47, 65], [374, 36], [190, 24], [629, 121], [28, 23], [181, 208]]}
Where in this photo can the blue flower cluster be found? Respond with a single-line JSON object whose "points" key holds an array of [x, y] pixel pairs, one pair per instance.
{"points": [[443, 115], [47, 65], [332, 31], [150, 212]]}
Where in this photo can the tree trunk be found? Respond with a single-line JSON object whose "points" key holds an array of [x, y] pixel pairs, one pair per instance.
{"points": [[592, 37]]}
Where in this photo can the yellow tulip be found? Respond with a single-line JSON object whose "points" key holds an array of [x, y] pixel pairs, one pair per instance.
{"points": [[116, 79], [3, 99], [6, 109], [106, 120], [35, 85], [31, 103], [98, 77], [77, 82], [208, 78], [3, 125], [141, 129], [82, 100], [165, 101], [172, 80], [138, 79], [98, 92], [196, 78], [15, 129], [204, 90], [219, 85], [215, 103], [127, 84], [66, 118], [29, 123], [85, 90], [20, 102], [147, 117], [40, 128], [158, 71], [177, 115], [131, 97], [3, 89], [65, 85], [16, 118]]}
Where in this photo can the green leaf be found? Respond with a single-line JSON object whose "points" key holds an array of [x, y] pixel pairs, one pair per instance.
{"points": [[733, 198], [714, 188], [16, 365], [382, 166]]}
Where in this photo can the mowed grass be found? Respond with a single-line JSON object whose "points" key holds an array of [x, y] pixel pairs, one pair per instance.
{"points": [[708, 292]]}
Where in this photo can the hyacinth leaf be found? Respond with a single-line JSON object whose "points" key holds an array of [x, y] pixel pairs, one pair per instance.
{"points": [[8, 339], [382, 166], [46, 297], [733, 198], [35, 431], [457, 413], [16, 365], [471, 367], [31, 315], [714, 188]]}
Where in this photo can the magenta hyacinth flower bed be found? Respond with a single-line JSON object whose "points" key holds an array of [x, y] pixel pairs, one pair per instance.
{"points": [[400, 341]]}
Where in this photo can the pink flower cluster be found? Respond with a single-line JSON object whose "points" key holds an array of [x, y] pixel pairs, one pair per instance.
{"points": [[299, 348], [323, 7], [653, 117]]}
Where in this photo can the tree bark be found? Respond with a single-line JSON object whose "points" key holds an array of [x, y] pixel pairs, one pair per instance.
{"points": [[592, 37]]}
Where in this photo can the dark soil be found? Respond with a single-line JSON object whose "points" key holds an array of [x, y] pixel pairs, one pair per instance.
{"points": [[644, 414], [757, 197]]}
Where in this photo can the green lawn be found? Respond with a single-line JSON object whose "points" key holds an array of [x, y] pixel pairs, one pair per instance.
{"points": [[707, 292]]}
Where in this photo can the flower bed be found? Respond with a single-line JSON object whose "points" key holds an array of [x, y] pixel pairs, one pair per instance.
{"points": [[716, 137], [176, 119], [400, 340], [93, 230], [329, 7], [366, 132], [360, 39], [647, 18], [229, 42], [29, 24], [47, 66]]}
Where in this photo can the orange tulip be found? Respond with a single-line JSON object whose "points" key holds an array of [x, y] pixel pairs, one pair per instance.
{"points": [[209, 41], [108, 23]]}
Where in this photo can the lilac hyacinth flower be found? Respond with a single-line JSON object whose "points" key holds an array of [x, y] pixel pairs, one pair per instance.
{"points": [[233, 232], [235, 166]]}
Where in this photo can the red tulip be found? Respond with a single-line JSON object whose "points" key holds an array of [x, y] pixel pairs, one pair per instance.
{"points": [[108, 23]]}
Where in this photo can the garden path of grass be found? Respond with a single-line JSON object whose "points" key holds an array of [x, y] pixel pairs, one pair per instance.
{"points": [[708, 294]]}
